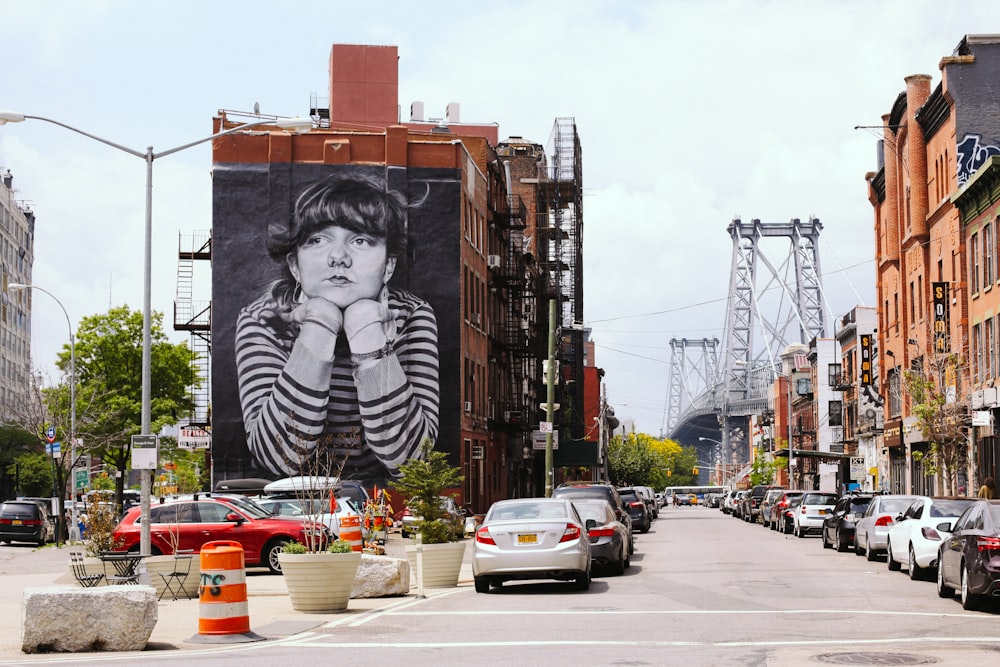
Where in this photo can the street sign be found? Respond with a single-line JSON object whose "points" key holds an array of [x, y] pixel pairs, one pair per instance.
{"points": [[50, 434], [192, 437], [82, 479], [53, 449], [144, 452]]}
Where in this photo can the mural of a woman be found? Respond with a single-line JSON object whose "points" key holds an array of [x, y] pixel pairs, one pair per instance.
{"points": [[330, 352]]}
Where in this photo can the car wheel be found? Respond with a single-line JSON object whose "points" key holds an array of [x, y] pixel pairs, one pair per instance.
{"points": [[970, 602], [626, 562], [270, 555], [915, 571], [404, 534], [839, 544], [870, 554], [858, 551], [583, 581], [618, 569], [826, 542], [891, 562], [943, 589], [482, 585]]}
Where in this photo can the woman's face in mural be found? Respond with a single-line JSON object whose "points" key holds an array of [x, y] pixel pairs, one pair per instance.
{"points": [[341, 265]]}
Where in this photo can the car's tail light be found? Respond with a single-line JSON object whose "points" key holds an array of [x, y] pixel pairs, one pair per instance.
{"points": [[636, 503], [5, 522], [931, 534], [803, 510], [602, 531], [884, 521], [406, 512], [988, 543], [572, 532], [483, 536]]}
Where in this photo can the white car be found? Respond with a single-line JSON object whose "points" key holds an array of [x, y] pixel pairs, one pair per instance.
{"points": [[314, 510], [915, 538], [812, 512], [871, 532]]}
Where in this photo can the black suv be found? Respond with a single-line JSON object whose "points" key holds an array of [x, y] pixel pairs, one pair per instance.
{"points": [[838, 527], [601, 490], [753, 501], [636, 507]]}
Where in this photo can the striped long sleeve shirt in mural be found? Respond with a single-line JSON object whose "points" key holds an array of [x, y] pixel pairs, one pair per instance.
{"points": [[381, 410]]}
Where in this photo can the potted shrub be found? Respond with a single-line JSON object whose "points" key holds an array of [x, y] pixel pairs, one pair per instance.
{"points": [[437, 556], [99, 520], [319, 575]]}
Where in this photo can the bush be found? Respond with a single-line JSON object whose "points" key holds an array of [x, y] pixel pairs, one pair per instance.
{"points": [[295, 548], [422, 481], [339, 547]]}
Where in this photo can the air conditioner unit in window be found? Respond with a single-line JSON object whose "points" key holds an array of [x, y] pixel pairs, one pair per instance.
{"points": [[468, 406], [493, 261]]}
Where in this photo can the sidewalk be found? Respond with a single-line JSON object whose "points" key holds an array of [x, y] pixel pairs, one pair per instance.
{"points": [[270, 609]]}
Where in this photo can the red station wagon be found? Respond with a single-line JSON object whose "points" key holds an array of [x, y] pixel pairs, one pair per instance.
{"points": [[188, 524]]}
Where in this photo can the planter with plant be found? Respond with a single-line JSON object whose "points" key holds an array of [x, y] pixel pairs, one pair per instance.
{"points": [[436, 558], [99, 521], [319, 581], [183, 571], [319, 574]]}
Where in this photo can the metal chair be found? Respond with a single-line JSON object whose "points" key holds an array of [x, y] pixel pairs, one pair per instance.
{"points": [[173, 581], [84, 578], [125, 566]]}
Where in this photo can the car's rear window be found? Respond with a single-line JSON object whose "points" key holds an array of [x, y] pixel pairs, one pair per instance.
{"points": [[950, 508], [819, 499], [20, 510]]}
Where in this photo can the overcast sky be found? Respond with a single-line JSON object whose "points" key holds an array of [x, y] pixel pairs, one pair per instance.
{"points": [[689, 114]]}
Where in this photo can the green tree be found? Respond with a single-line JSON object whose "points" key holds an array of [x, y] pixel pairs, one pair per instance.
{"points": [[423, 479], [15, 443], [641, 459], [109, 384], [34, 475]]}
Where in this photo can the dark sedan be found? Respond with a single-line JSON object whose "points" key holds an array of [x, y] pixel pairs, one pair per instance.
{"points": [[636, 507], [838, 528], [969, 558], [610, 539]]}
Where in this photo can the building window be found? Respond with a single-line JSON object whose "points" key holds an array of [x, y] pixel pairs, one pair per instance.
{"points": [[974, 269], [836, 409], [895, 393], [988, 256], [989, 346], [833, 372], [977, 353]]}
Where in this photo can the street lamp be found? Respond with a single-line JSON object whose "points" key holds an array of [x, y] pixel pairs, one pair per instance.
{"points": [[74, 531], [296, 124]]}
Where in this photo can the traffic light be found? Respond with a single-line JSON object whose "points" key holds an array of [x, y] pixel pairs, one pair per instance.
{"points": [[694, 470]]}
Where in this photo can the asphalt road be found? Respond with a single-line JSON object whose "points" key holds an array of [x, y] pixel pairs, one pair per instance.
{"points": [[703, 589]]}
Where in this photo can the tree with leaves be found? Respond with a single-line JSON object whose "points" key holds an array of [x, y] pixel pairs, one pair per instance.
{"points": [[422, 481], [109, 385], [931, 384]]}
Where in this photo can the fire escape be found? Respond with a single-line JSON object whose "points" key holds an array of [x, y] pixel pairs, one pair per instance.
{"points": [[195, 317]]}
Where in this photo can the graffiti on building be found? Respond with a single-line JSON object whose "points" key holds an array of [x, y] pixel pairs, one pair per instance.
{"points": [[971, 154]]}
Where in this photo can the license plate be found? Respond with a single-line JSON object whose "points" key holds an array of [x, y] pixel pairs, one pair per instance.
{"points": [[527, 538], [17, 522], [822, 512]]}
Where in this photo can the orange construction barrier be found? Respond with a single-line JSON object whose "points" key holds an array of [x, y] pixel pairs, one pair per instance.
{"points": [[223, 612], [350, 530]]}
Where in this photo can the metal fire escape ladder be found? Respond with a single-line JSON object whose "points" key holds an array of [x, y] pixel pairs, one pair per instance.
{"points": [[195, 317]]}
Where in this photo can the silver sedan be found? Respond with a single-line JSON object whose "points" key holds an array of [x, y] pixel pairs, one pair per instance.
{"points": [[531, 538]]}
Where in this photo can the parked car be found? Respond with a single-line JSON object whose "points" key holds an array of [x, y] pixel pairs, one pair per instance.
{"points": [[729, 501], [456, 517], [916, 537], [636, 508], [812, 510], [753, 500], [187, 524], [786, 522], [838, 527], [649, 496], [602, 490], [26, 521], [313, 510], [610, 539], [969, 558], [872, 530], [764, 516], [531, 538], [737, 503], [778, 510]]}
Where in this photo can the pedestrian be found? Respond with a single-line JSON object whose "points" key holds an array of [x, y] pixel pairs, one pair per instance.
{"points": [[988, 489], [330, 354]]}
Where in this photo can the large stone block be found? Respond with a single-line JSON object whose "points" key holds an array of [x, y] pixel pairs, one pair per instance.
{"points": [[70, 619], [381, 576]]}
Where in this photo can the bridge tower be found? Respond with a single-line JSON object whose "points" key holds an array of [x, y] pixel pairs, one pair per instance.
{"points": [[775, 299], [688, 382]]}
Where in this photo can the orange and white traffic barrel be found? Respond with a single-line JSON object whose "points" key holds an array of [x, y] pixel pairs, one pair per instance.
{"points": [[223, 613], [350, 531]]}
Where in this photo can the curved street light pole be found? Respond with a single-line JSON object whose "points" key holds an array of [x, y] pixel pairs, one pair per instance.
{"points": [[74, 529], [296, 124]]}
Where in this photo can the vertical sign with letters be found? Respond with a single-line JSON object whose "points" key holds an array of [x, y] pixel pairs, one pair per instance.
{"points": [[940, 304], [865, 371]]}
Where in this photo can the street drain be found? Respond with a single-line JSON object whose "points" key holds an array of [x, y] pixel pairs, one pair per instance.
{"points": [[856, 658]]}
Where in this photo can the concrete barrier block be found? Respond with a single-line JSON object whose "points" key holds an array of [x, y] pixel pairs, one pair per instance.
{"points": [[71, 619]]}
